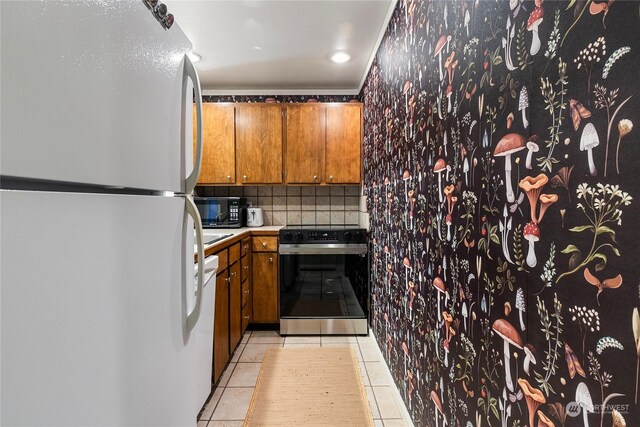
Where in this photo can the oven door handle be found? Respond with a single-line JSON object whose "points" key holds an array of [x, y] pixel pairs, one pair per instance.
{"points": [[323, 249]]}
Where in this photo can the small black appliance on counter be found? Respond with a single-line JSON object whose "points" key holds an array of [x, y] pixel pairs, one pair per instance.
{"points": [[222, 212]]}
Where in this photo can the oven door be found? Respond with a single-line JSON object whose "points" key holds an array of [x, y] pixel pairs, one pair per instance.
{"points": [[324, 288]]}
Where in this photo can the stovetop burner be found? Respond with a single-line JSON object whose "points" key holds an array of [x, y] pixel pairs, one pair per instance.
{"points": [[323, 234]]}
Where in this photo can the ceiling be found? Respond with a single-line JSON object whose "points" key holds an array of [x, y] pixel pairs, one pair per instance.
{"points": [[276, 47]]}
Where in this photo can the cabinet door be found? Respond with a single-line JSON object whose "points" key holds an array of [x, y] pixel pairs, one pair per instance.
{"points": [[221, 326], [234, 253], [305, 137], [343, 142], [246, 317], [235, 306], [265, 287], [218, 153], [246, 292], [246, 246], [246, 268], [259, 143], [247, 304]]}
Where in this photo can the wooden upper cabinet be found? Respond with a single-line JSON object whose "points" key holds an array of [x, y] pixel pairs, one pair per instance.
{"points": [[244, 143], [343, 143], [218, 153], [259, 143], [305, 138]]}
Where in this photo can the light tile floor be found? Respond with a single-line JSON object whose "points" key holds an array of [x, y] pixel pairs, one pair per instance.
{"points": [[230, 400]]}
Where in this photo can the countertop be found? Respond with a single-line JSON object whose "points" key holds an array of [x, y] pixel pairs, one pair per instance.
{"points": [[235, 234]]}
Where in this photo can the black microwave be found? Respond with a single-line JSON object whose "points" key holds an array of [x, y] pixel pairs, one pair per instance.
{"points": [[222, 212]]}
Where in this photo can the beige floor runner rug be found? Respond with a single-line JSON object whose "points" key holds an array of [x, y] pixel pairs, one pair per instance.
{"points": [[309, 387]]}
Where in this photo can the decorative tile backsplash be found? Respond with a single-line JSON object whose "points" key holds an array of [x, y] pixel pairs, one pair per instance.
{"points": [[336, 205]]}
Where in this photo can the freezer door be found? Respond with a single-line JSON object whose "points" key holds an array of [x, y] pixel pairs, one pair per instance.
{"points": [[96, 290], [92, 92]]}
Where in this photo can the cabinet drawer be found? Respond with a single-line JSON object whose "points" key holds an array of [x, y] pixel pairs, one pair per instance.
{"points": [[265, 244], [234, 253], [223, 259], [246, 293], [246, 268], [246, 246], [246, 317]]}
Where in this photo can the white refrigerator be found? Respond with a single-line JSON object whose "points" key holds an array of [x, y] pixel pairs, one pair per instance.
{"points": [[101, 318]]}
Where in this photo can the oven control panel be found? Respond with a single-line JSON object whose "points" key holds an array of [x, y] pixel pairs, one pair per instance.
{"points": [[318, 235], [322, 235]]}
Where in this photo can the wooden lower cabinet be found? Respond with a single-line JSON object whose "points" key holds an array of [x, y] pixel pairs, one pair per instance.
{"points": [[243, 268], [245, 279], [235, 307], [227, 327], [221, 326], [265, 287], [246, 316], [246, 293]]}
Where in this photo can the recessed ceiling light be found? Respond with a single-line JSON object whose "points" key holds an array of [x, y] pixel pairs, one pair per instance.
{"points": [[194, 57], [257, 48], [340, 57]]}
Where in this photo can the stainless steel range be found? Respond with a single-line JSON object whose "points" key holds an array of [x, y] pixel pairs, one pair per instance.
{"points": [[324, 281]]}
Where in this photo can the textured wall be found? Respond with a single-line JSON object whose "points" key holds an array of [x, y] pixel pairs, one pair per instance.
{"points": [[471, 245]]}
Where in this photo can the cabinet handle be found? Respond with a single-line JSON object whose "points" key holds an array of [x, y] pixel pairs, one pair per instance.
{"points": [[233, 273], [246, 267], [244, 177], [246, 317], [264, 244], [228, 177], [331, 177], [270, 259], [246, 292], [315, 177]]}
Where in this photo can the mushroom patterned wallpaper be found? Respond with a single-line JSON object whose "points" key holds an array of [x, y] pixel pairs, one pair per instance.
{"points": [[502, 157]]}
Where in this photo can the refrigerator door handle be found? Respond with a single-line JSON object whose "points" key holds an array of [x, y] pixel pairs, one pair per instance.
{"points": [[191, 73], [192, 210]]}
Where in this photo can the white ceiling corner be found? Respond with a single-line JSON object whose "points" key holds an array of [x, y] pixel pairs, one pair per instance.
{"points": [[278, 47]]}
